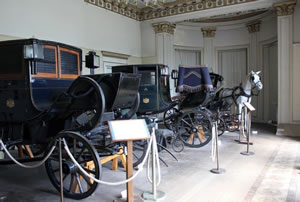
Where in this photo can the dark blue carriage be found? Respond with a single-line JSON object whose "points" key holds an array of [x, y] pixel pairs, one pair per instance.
{"points": [[195, 92], [43, 94]]}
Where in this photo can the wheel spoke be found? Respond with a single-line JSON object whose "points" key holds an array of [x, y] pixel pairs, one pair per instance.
{"points": [[79, 183], [191, 138], [86, 178], [71, 183], [190, 119], [80, 153], [184, 121]]}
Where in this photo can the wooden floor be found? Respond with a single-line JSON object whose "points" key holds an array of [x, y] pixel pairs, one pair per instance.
{"points": [[272, 174]]}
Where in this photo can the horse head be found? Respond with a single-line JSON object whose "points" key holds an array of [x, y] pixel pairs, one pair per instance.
{"points": [[255, 80]]}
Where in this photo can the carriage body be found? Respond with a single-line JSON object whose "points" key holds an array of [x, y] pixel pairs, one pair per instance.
{"points": [[154, 88], [32, 74], [36, 78]]}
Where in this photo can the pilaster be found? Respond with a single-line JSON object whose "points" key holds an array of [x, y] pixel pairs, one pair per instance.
{"points": [[284, 11]]}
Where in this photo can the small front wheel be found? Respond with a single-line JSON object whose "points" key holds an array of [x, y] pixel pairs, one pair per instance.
{"points": [[194, 128]]}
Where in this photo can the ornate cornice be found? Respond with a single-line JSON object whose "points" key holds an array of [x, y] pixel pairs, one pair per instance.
{"points": [[285, 8], [166, 9], [164, 27], [253, 26], [208, 31]]}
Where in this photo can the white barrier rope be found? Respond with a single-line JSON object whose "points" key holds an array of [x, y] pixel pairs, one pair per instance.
{"points": [[23, 165], [140, 166]]}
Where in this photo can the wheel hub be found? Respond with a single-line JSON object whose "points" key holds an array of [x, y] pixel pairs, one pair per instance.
{"points": [[69, 167]]}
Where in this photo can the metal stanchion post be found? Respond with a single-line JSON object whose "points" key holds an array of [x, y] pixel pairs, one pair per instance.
{"points": [[155, 194], [61, 173], [249, 131], [217, 170]]}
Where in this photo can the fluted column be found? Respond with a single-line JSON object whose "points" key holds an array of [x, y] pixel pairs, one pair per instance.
{"points": [[284, 11], [208, 41], [164, 43]]}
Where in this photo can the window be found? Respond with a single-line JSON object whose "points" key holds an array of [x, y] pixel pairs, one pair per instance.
{"points": [[69, 63], [48, 67]]}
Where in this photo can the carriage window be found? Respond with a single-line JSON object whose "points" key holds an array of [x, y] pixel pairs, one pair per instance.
{"points": [[148, 78], [48, 67], [70, 67], [11, 61]]}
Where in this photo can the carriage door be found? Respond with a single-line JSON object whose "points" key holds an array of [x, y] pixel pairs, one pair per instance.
{"points": [[270, 66]]}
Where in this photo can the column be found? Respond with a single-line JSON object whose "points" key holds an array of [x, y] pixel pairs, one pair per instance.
{"points": [[164, 43], [208, 40], [164, 39], [253, 29], [284, 11]]}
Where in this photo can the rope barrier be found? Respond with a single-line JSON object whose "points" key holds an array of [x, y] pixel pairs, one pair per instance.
{"points": [[23, 165]]}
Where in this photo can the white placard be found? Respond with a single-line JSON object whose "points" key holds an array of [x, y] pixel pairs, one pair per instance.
{"points": [[124, 130], [249, 106]]}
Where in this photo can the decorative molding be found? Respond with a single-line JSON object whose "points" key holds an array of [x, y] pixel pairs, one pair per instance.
{"points": [[208, 31], [114, 55], [285, 8], [253, 26], [167, 9], [164, 27]]}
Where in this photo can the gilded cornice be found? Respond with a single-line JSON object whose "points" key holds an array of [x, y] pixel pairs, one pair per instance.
{"points": [[285, 8], [253, 26], [164, 27], [208, 31], [164, 10]]}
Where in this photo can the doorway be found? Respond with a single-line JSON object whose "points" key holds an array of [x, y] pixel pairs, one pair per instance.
{"points": [[270, 65]]}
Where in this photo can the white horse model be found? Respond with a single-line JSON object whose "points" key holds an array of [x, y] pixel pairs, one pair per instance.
{"points": [[242, 93]]}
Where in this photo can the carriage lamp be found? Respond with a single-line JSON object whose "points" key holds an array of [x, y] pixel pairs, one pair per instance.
{"points": [[92, 60], [34, 51]]}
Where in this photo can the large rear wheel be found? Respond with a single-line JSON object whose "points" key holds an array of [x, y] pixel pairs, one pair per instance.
{"points": [[76, 184]]}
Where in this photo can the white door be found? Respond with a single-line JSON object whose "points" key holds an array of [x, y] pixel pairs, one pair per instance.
{"points": [[109, 62], [232, 65], [270, 65]]}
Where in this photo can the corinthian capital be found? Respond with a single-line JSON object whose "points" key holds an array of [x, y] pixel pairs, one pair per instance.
{"points": [[208, 31], [253, 26], [164, 27], [285, 8]]}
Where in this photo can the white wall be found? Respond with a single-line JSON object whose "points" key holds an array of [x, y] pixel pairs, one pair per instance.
{"points": [[297, 23], [268, 29], [232, 37], [188, 37], [72, 22]]}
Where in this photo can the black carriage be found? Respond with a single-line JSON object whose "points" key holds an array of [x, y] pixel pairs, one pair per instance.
{"points": [[185, 114], [43, 97]]}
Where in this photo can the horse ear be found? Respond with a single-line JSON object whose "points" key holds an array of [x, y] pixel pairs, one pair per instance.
{"points": [[258, 72]]}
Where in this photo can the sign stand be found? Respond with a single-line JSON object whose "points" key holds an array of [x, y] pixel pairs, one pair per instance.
{"points": [[250, 109], [121, 131], [217, 170], [155, 194]]}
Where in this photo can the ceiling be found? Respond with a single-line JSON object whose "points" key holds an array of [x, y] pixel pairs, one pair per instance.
{"points": [[190, 11]]}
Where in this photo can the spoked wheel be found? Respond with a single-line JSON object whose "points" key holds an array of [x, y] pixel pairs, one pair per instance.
{"points": [[139, 151], [221, 127], [194, 129], [76, 184], [170, 118]]}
